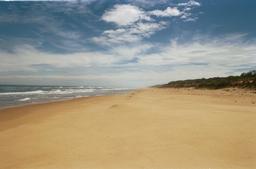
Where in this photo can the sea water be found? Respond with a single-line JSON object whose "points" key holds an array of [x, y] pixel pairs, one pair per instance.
{"points": [[12, 95]]}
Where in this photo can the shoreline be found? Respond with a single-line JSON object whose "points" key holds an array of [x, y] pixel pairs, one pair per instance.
{"points": [[146, 128], [228, 90], [40, 103], [63, 99]]}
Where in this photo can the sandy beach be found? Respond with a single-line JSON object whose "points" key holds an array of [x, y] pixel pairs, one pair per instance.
{"points": [[144, 129]]}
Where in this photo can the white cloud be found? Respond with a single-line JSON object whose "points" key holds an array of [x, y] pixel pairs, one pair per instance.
{"points": [[168, 12], [134, 24], [219, 53], [186, 7], [25, 56], [146, 29], [117, 36], [124, 15], [190, 3], [134, 64], [134, 33], [131, 28]]}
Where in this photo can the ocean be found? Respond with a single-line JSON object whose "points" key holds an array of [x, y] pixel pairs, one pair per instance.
{"points": [[14, 95]]}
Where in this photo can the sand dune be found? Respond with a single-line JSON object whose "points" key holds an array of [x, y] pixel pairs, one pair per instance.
{"points": [[145, 129]]}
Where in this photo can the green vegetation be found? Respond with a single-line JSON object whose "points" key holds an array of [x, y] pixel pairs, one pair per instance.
{"points": [[245, 80]]}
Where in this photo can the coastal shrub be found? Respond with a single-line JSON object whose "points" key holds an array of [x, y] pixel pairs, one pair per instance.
{"points": [[245, 80]]}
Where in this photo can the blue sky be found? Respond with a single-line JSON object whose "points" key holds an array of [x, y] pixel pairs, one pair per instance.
{"points": [[125, 43]]}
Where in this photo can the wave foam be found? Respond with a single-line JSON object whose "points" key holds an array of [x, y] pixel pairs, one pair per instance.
{"points": [[57, 92], [25, 99], [23, 93]]}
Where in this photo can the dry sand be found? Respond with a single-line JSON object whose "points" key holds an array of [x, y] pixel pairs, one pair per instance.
{"points": [[145, 129]]}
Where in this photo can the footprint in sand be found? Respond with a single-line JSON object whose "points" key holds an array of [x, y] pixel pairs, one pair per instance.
{"points": [[131, 95], [114, 106]]}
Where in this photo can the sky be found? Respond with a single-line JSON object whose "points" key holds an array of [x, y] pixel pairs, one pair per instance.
{"points": [[125, 43]]}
